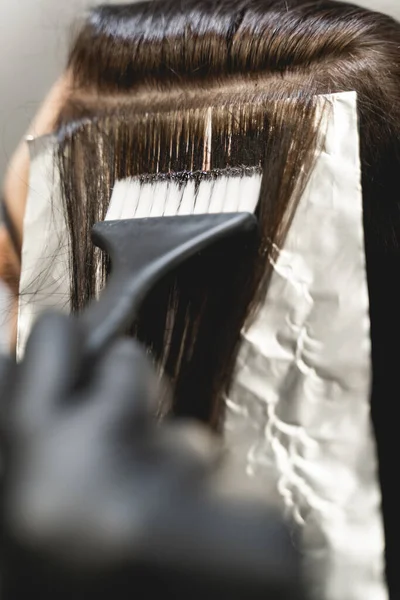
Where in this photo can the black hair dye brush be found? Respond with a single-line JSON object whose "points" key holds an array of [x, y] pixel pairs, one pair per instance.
{"points": [[180, 247]]}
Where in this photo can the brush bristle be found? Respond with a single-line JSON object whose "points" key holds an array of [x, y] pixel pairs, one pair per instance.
{"points": [[222, 191]]}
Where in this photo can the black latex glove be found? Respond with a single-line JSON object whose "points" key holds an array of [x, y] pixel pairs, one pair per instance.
{"points": [[89, 468], [94, 485]]}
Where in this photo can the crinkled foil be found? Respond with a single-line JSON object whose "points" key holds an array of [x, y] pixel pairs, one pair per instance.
{"points": [[298, 416]]}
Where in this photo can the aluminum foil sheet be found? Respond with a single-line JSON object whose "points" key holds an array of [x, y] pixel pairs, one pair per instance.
{"points": [[44, 281], [298, 416]]}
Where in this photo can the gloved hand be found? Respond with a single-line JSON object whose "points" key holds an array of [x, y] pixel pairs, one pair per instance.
{"points": [[99, 498], [88, 466]]}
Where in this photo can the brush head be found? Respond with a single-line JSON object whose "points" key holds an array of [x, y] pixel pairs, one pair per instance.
{"points": [[186, 193], [171, 217]]}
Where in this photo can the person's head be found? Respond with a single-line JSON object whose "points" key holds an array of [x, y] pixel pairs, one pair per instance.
{"points": [[144, 75]]}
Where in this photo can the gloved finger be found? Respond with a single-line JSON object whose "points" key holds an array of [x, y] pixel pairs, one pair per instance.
{"points": [[125, 381], [50, 367]]}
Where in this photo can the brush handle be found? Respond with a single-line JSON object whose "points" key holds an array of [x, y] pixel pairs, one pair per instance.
{"points": [[142, 251]]}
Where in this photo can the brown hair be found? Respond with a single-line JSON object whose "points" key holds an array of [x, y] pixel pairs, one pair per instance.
{"points": [[144, 76]]}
